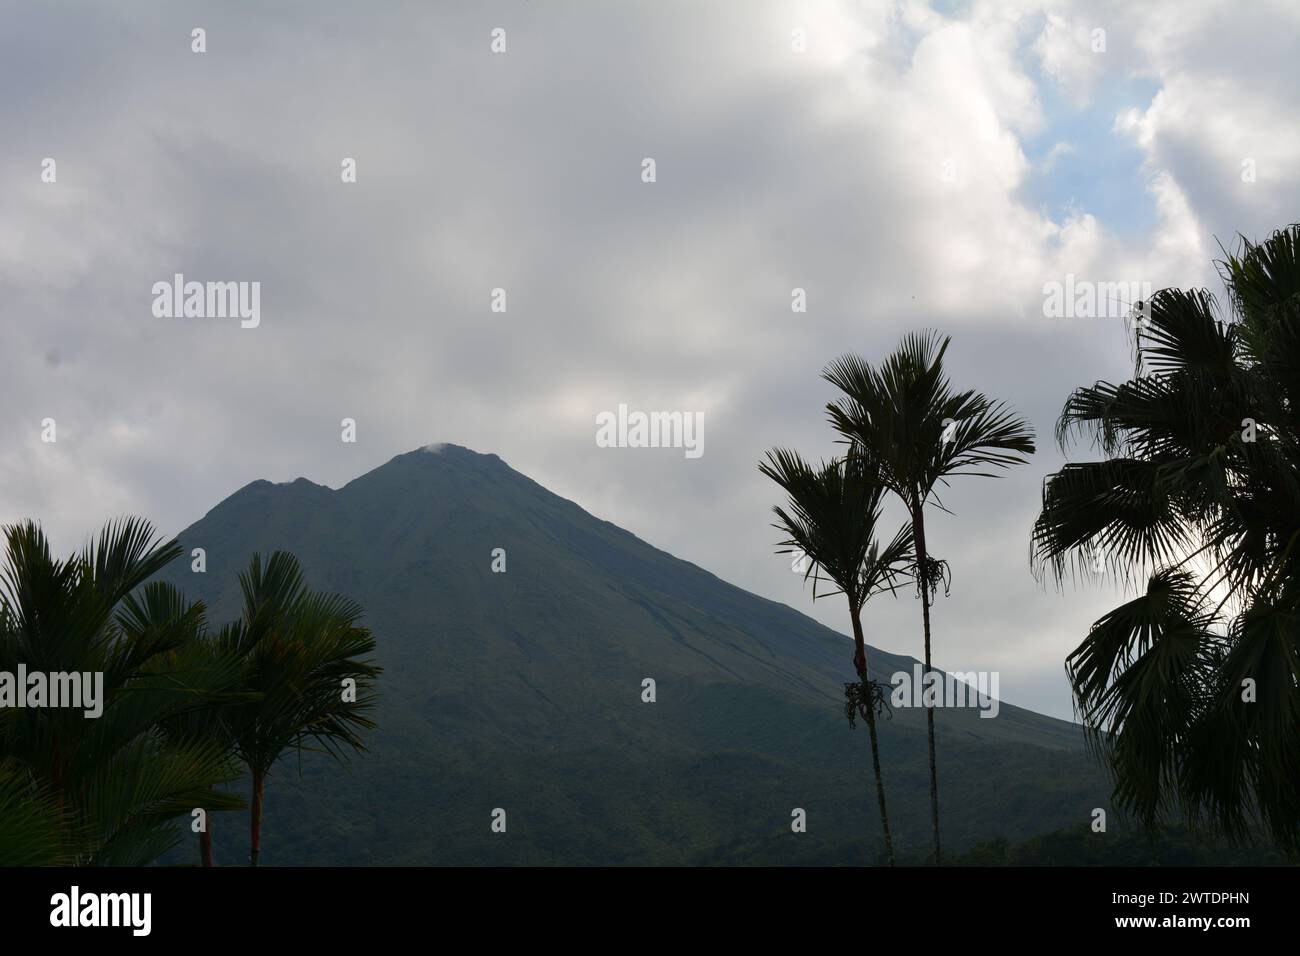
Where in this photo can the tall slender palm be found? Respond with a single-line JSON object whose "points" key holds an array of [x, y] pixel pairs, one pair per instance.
{"points": [[300, 651], [211, 724], [831, 517], [114, 785], [1192, 689], [906, 419]]}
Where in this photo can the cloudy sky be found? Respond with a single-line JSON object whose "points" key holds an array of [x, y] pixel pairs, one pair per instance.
{"points": [[909, 165]]}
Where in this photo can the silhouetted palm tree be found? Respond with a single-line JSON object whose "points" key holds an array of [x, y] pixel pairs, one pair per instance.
{"points": [[211, 724], [33, 831], [831, 518], [1192, 689], [113, 785], [301, 654], [917, 432]]}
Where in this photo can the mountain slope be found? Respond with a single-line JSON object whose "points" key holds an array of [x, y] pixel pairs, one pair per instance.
{"points": [[522, 690]]}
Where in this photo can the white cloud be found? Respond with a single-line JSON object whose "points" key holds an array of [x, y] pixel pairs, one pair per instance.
{"points": [[1055, 153], [1073, 53]]}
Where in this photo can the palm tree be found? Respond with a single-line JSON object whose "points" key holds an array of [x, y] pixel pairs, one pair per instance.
{"points": [[33, 831], [917, 432], [211, 724], [301, 654], [831, 518], [113, 785], [1192, 689]]}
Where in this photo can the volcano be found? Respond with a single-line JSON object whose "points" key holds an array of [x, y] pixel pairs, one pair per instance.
{"points": [[620, 705]]}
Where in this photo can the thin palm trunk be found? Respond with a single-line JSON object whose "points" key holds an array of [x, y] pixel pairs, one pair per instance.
{"points": [[255, 820], [860, 662], [205, 846], [918, 534]]}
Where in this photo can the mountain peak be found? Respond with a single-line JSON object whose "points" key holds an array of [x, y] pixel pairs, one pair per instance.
{"points": [[444, 452], [506, 683], [449, 450]]}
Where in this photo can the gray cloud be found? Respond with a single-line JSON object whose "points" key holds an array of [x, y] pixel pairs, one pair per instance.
{"points": [[775, 170]]}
